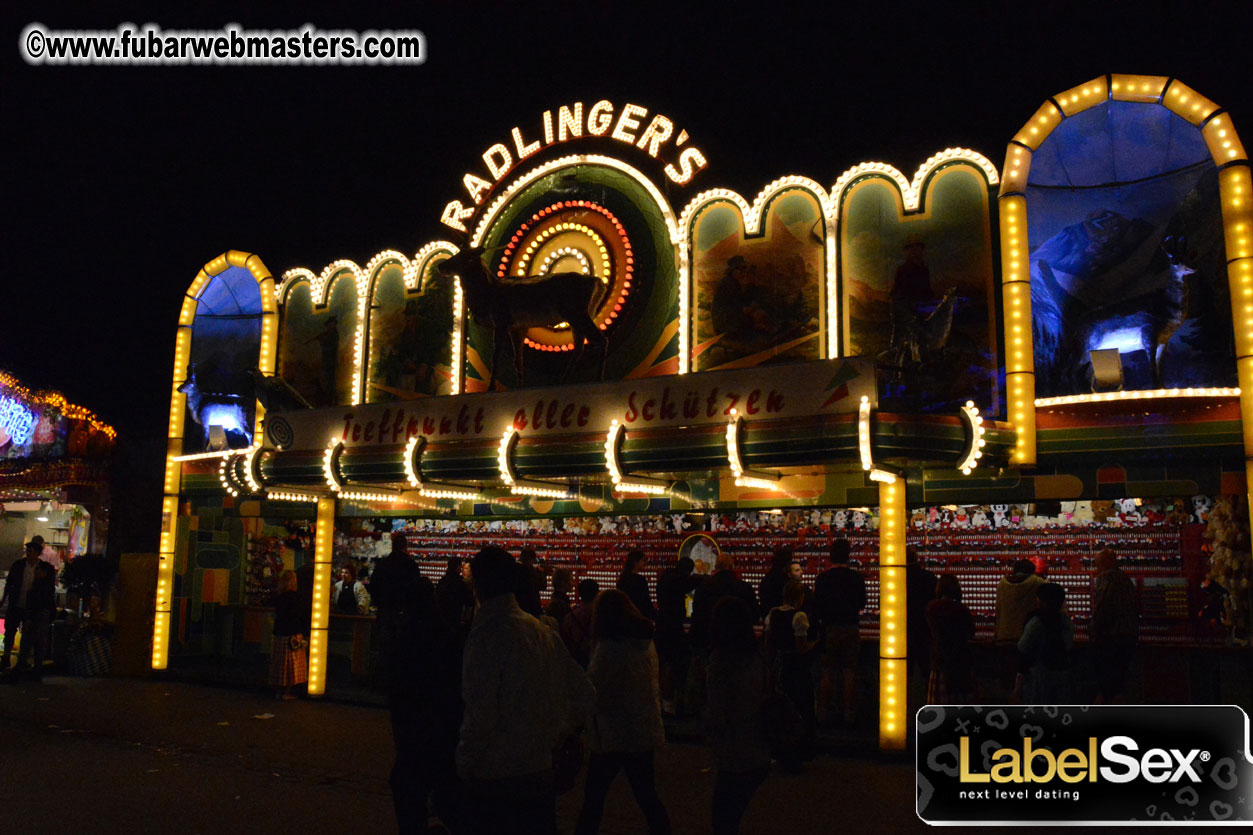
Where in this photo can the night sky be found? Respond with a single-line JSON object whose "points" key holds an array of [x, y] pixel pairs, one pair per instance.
{"points": [[121, 182]]}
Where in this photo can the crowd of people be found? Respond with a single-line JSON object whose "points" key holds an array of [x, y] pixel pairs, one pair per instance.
{"points": [[497, 698]]}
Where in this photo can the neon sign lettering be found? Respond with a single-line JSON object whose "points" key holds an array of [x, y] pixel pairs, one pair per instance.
{"points": [[16, 420], [630, 125]]}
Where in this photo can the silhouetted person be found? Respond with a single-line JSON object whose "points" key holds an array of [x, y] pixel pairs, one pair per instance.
{"points": [[796, 574], [626, 727], [920, 585], [951, 628], [787, 637], [31, 593], [289, 663], [736, 686], [1044, 650], [576, 627], [634, 585], [424, 698], [530, 583], [770, 589], [559, 604], [523, 696], [454, 599], [1016, 600], [1115, 626], [673, 649], [388, 589], [722, 583], [304, 589], [839, 597]]}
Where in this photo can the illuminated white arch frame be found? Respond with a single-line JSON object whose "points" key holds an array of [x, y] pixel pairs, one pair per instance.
{"points": [[1235, 200], [753, 217], [679, 229], [365, 280], [910, 192], [178, 406]]}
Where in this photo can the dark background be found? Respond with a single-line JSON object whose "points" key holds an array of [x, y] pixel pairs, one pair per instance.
{"points": [[120, 182]]}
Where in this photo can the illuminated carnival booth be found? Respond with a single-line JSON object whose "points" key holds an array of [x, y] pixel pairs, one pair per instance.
{"points": [[981, 363], [54, 475]]}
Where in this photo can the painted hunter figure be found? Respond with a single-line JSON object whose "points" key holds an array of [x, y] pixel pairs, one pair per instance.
{"points": [[920, 324], [328, 343], [911, 294], [747, 312]]}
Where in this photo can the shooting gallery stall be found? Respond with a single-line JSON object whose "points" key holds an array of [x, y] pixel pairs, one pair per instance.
{"points": [[1074, 327]]}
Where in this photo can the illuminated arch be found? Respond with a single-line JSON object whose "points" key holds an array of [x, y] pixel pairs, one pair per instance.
{"points": [[753, 217], [910, 193], [1234, 186], [364, 278], [178, 408]]}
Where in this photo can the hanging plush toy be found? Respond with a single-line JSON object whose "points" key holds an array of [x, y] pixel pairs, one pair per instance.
{"points": [[839, 520], [1201, 506], [979, 519], [859, 520]]}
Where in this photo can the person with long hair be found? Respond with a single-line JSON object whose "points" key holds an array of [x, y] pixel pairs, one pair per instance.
{"points": [[634, 584], [791, 651], [736, 681], [289, 664], [626, 728]]}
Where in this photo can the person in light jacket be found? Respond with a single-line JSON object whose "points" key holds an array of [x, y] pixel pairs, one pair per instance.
{"points": [[523, 696], [626, 727], [348, 596]]}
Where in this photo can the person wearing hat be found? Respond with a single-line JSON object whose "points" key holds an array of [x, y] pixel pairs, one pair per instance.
{"points": [[911, 288], [739, 310], [30, 591]]}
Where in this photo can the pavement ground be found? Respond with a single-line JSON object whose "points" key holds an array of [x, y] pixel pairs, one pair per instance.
{"points": [[146, 755]]}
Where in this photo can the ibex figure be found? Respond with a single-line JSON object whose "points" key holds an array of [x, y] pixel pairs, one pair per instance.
{"points": [[510, 308]]}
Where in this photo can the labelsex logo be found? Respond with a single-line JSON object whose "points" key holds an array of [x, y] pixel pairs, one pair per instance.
{"points": [[1072, 765]]}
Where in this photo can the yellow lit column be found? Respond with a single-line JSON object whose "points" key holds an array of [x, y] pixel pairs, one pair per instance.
{"points": [[1016, 298], [323, 544], [172, 484], [893, 683], [1236, 194]]}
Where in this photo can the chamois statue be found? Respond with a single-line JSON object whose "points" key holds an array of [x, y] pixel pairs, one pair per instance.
{"points": [[923, 340], [1147, 320], [221, 409], [509, 308]]}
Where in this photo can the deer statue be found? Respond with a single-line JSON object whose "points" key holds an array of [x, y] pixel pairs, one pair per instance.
{"points": [[509, 308]]}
